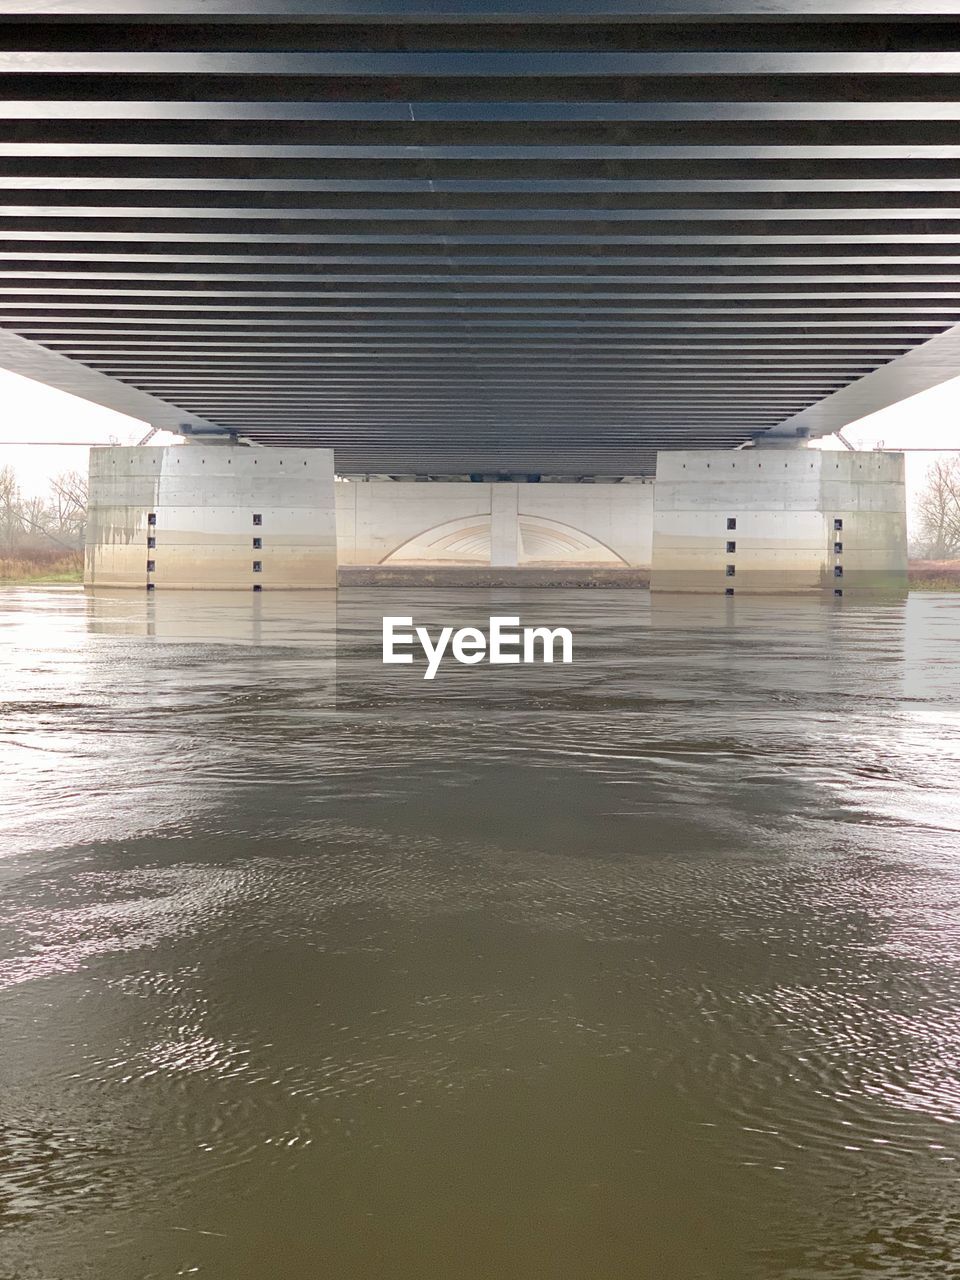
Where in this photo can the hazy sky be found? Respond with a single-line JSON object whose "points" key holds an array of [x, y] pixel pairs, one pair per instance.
{"points": [[31, 411]]}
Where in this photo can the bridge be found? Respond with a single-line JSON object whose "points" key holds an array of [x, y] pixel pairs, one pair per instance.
{"points": [[483, 238]]}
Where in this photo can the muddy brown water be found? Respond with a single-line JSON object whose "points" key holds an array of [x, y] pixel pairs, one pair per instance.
{"points": [[644, 969]]}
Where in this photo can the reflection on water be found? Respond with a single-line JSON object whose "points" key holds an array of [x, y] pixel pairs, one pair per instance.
{"points": [[643, 968]]}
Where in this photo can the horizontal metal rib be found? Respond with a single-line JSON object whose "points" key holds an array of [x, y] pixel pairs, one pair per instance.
{"points": [[581, 186], [472, 65], [494, 11], [507, 112]]}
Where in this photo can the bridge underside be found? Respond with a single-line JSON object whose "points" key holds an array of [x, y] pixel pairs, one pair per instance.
{"points": [[473, 236]]}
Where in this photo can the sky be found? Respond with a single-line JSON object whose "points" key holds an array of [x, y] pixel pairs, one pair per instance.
{"points": [[59, 429], [31, 411]]}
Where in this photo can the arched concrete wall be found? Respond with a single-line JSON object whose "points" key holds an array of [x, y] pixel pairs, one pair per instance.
{"points": [[399, 522]]}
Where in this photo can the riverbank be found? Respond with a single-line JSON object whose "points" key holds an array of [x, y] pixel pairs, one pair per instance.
{"points": [[24, 570], [923, 575], [934, 575]]}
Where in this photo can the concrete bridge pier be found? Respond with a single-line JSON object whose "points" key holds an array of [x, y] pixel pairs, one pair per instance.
{"points": [[504, 525], [211, 517], [780, 520]]}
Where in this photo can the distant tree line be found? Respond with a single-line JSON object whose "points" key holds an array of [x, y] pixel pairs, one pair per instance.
{"points": [[43, 527]]}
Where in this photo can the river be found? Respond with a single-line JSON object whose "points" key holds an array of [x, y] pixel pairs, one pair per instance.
{"points": [[644, 968]]}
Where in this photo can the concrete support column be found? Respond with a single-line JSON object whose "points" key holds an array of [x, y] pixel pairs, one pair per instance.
{"points": [[504, 525], [211, 517], [799, 520]]}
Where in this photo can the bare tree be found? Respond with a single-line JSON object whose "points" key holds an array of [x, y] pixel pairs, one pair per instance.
{"points": [[11, 523], [37, 524], [68, 504], [938, 510]]}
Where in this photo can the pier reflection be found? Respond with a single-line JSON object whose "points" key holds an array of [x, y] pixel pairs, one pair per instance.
{"points": [[220, 617]]}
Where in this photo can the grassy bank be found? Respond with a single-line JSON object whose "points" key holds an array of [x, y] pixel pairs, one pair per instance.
{"points": [[40, 568], [934, 575]]}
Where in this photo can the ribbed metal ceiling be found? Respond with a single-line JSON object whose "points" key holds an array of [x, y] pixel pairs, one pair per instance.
{"points": [[459, 236]]}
